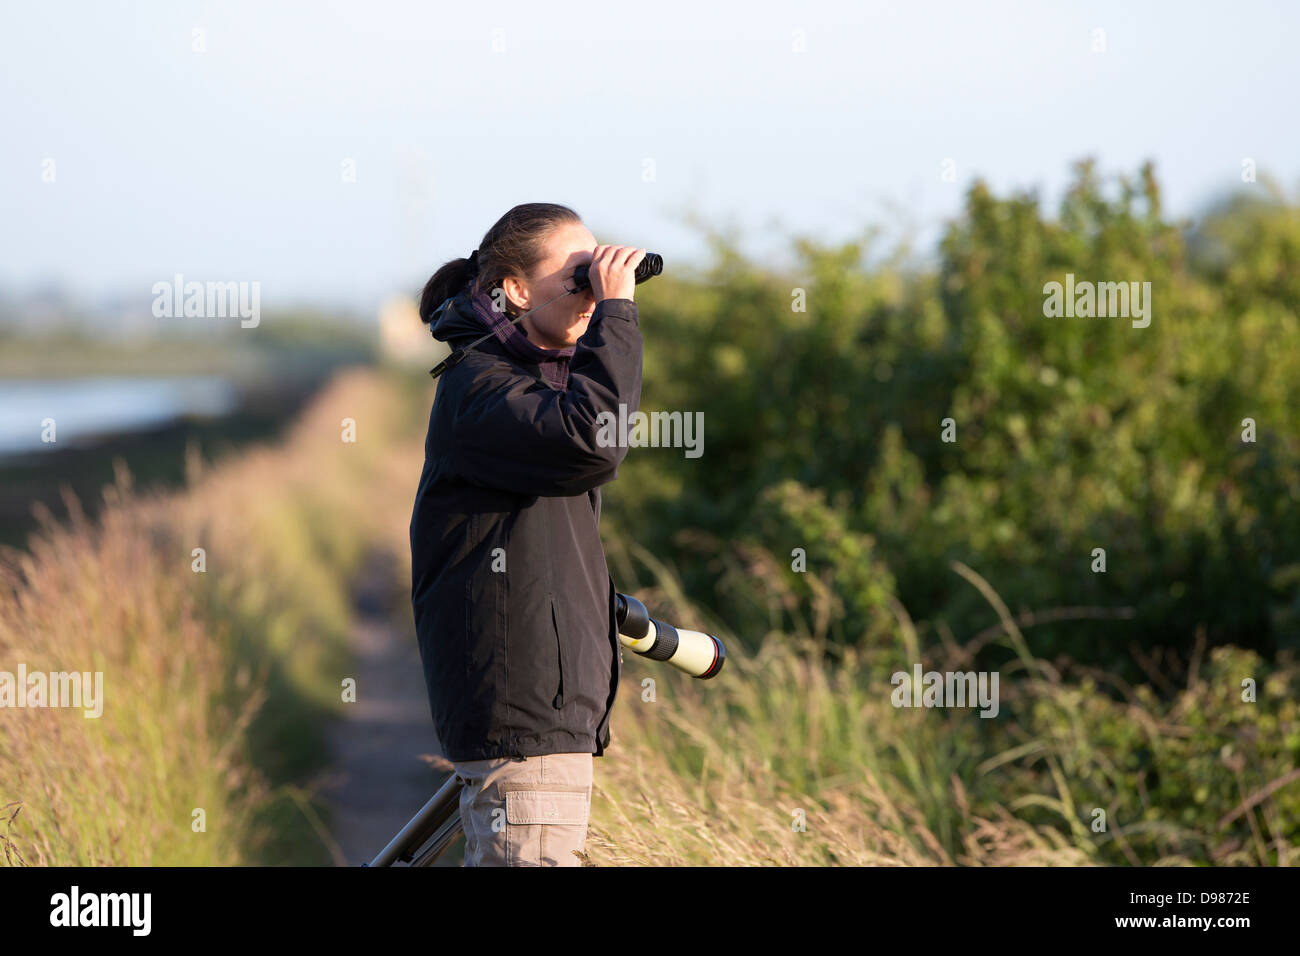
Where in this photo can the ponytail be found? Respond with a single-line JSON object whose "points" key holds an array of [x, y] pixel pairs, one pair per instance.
{"points": [[445, 283]]}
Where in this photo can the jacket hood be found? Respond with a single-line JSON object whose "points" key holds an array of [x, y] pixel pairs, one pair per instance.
{"points": [[457, 321]]}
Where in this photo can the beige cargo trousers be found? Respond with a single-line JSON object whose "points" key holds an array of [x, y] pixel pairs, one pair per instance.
{"points": [[525, 812]]}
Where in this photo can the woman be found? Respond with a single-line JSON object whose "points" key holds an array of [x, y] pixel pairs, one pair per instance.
{"points": [[514, 604]]}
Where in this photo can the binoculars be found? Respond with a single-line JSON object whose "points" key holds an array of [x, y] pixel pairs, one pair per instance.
{"points": [[432, 831], [650, 266]]}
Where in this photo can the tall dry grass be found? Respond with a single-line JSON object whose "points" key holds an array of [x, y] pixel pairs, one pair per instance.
{"points": [[795, 755], [218, 683], [787, 759]]}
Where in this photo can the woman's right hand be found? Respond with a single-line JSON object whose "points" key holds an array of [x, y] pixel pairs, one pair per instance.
{"points": [[612, 272]]}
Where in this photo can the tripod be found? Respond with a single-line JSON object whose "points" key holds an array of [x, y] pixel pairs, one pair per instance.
{"points": [[430, 833]]}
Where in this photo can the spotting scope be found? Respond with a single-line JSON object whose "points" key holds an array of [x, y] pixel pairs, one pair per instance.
{"points": [[698, 654]]}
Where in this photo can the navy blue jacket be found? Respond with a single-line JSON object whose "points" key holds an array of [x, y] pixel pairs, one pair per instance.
{"points": [[513, 601]]}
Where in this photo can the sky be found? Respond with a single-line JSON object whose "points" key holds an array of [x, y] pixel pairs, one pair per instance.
{"points": [[338, 152]]}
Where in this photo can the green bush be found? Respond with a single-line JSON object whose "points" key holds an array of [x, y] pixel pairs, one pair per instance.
{"points": [[1071, 434]]}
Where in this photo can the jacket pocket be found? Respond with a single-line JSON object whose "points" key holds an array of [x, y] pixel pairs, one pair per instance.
{"points": [[467, 641], [558, 701]]}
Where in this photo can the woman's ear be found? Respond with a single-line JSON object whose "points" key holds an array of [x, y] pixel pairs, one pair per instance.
{"points": [[516, 294]]}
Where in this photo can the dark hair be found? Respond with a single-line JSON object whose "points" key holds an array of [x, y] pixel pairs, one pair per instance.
{"points": [[511, 247]]}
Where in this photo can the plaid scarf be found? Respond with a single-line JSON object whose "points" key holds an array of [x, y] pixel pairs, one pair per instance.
{"points": [[552, 363]]}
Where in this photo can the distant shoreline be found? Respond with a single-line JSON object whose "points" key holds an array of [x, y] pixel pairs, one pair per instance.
{"points": [[154, 454]]}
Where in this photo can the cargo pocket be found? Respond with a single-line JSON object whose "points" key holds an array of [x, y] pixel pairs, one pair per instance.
{"points": [[558, 701], [545, 826]]}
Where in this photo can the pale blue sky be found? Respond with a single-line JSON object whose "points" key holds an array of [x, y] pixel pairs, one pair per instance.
{"points": [[226, 164]]}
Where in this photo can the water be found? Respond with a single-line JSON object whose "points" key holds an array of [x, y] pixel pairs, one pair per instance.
{"points": [[85, 409]]}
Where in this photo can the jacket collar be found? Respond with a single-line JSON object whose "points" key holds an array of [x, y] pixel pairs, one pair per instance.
{"points": [[466, 317]]}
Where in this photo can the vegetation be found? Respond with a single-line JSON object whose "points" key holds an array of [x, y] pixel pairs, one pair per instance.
{"points": [[825, 427], [218, 683]]}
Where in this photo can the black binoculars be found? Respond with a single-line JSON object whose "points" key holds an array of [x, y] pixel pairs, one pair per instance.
{"points": [[650, 266]]}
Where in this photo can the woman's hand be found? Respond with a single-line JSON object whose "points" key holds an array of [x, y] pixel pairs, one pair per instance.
{"points": [[612, 272]]}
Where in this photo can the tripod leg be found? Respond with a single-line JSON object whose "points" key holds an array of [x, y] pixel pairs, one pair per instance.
{"points": [[443, 841], [442, 806]]}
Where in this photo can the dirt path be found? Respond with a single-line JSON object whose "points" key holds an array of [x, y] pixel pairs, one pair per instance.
{"points": [[380, 776]]}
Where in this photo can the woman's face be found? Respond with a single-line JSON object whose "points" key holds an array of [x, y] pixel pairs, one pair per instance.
{"points": [[563, 322]]}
